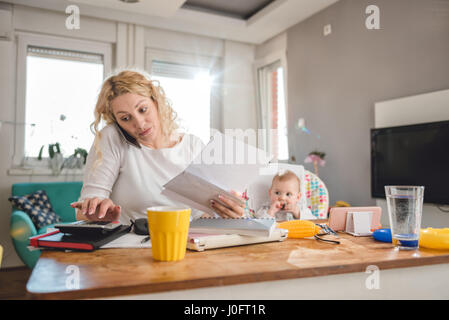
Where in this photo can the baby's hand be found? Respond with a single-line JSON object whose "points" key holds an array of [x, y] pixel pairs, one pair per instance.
{"points": [[289, 207], [294, 209], [275, 207]]}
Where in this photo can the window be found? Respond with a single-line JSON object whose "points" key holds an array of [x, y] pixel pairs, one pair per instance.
{"points": [[273, 110], [188, 88], [61, 92], [192, 84], [58, 81]]}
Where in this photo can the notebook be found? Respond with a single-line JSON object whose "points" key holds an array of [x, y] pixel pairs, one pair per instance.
{"points": [[242, 226], [201, 242], [59, 240]]}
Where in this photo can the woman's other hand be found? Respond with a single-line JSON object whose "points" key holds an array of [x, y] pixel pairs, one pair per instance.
{"points": [[97, 209], [232, 209]]}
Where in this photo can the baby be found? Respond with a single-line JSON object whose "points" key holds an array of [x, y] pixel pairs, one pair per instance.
{"points": [[284, 198]]}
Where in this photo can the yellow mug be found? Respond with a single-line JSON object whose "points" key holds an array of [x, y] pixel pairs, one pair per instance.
{"points": [[169, 228]]}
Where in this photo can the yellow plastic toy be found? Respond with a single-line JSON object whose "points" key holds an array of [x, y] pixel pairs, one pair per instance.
{"points": [[434, 238], [341, 203], [300, 228]]}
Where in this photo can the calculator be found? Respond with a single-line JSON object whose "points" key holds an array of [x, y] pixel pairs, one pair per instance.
{"points": [[87, 226]]}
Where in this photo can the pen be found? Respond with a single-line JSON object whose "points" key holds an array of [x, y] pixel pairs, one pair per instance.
{"points": [[145, 239]]}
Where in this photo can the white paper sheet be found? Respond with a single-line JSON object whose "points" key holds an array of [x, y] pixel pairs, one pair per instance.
{"points": [[225, 164], [128, 240], [359, 223]]}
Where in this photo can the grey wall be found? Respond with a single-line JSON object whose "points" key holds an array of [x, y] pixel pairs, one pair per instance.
{"points": [[334, 81]]}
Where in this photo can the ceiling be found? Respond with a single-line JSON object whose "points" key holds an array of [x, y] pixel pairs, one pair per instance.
{"points": [[251, 21], [159, 8], [233, 8]]}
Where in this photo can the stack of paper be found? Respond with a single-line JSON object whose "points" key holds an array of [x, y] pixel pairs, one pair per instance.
{"points": [[202, 241], [249, 227]]}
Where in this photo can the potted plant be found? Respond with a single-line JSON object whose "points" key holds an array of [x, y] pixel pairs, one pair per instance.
{"points": [[56, 159], [316, 157], [77, 159]]}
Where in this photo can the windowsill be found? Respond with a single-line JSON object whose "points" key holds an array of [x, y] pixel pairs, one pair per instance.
{"points": [[22, 171]]}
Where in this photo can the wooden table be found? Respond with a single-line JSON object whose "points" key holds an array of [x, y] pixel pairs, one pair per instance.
{"points": [[121, 272]]}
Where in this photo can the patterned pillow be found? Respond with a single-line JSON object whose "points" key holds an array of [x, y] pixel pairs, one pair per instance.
{"points": [[38, 207]]}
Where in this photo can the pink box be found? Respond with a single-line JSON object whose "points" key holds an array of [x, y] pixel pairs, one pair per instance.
{"points": [[337, 216]]}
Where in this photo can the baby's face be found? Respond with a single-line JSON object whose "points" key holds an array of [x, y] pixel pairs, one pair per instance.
{"points": [[285, 192]]}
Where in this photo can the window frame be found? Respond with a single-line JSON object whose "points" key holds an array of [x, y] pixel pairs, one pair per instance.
{"points": [[263, 96], [212, 63], [28, 39]]}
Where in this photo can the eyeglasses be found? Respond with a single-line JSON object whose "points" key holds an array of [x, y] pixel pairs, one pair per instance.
{"points": [[326, 231]]}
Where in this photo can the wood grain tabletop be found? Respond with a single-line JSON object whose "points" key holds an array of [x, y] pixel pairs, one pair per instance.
{"points": [[116, 272]]}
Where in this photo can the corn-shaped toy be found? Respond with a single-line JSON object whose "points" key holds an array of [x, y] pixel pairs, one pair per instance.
{"points": [[300, 228], [434, 238]]}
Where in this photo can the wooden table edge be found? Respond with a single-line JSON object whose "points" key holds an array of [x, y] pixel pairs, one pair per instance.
{"points": [[248, 278]]}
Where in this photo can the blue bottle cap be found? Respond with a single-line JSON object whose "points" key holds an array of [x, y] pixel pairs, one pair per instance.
{"points": [[383, 235]]}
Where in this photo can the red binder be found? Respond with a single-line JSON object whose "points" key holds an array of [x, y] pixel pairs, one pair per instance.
{"points": [[59, 240]]}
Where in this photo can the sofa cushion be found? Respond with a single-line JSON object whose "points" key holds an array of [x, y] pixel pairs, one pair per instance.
{"points": [[38, 207]]}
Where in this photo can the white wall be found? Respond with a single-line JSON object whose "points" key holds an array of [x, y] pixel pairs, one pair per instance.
{"points": [[429, 107], [276, 44], [129, 42], [52, 22], [238, 87]]}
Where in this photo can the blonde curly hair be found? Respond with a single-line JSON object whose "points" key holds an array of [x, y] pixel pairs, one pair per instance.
{"points": [[137, 82]]}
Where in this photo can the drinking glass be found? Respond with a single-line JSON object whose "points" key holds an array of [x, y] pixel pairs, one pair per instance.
{"points": [[405, 212]]}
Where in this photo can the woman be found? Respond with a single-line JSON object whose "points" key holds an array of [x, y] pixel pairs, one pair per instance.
{"points": [[136, 153]]}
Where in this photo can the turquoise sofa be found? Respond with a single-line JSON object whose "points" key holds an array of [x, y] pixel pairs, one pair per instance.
{"points": [[60, 194]]}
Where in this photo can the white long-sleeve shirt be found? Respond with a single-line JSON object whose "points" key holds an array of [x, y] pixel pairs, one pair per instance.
{"points": [[133, 175]]}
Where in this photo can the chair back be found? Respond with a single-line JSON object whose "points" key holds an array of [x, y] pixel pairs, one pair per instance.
{"points": [[316, 195]]}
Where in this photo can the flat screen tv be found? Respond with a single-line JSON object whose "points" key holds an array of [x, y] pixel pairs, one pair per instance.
{"points": [[412, 155]]}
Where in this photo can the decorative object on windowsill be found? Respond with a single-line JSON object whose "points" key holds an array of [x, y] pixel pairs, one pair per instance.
{"points": [[317, 158], [302, 126], [56, 160], [77, 160]]}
